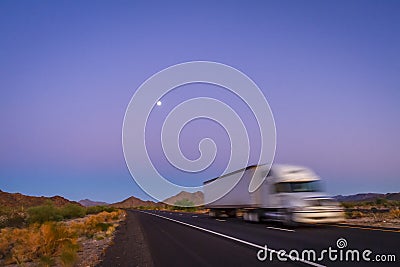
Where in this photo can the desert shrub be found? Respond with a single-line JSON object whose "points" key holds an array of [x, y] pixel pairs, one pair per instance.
{"points": [[12, 217], [46, 261], [16, 220], [71, 211], [48, 212], [4, 210], [185, 205], [381, 201], [395, 213], [42, 242], [368, 203], [354, 214], [145, 207], [5, 244], [52, 242], [52, 234], [26, 244], [44, 213], [98, 209], [347, 205], [394, 204], [99, 222], [69, 255], [56, 239], [103, 226]]}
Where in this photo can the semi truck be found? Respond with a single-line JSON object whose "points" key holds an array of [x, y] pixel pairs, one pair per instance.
{"points": [[286, 193]]}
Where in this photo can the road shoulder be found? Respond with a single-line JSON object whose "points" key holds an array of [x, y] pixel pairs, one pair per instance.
{"points": [[130, 247]]}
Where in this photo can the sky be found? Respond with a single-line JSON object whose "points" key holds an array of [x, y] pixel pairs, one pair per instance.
{"points": [[68, 69]]}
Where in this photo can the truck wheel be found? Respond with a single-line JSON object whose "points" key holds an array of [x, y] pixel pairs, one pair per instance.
{"points": [[254, 217], [289, 219], [246, 216], [231, 213]]}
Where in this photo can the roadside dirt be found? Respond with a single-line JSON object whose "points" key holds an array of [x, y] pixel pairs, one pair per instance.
{"points": [[129, 247], [371, 222]]}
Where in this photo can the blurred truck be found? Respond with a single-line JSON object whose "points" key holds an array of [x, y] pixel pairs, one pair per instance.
{"points": [[288, 194]]}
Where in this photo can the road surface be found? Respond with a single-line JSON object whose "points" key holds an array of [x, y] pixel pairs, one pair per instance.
{"points": [[163, 238]]}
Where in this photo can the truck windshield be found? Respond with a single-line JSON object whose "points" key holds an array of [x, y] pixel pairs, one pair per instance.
{"points": [[291, 187]]}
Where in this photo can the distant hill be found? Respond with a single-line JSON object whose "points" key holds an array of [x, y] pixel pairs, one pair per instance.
{"points": [[19, 200], [197, 198], [89, 203], [367, 197], [393, 196], [132, 202]]}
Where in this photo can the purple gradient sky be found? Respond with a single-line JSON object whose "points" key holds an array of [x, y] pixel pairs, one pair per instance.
{"points": [[329, 69]]}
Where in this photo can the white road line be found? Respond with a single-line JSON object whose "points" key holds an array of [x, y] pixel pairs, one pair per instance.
{"points": [[220, 220], [195, 216], [233, 238], [281, 229]]}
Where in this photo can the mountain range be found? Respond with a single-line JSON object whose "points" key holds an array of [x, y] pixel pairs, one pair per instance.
{"points": [[24, 201], [197, 198], [132, 201], [90, 203], [367, 197]]}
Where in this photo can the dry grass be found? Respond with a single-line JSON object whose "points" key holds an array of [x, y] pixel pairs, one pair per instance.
{"points": [[53, 242], [395, 214], [90, 226], [355, 214]]}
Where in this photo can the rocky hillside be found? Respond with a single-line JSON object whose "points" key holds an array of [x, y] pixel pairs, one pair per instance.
{"points": [[90, 203], [19, 200], [367, 197], [197, 198], [132, 202]]}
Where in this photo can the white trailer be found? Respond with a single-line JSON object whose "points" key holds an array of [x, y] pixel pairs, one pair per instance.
{"points": [[289, 194]]}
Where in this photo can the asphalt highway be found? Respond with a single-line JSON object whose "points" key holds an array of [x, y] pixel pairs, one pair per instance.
{"points": [[189, 239]]}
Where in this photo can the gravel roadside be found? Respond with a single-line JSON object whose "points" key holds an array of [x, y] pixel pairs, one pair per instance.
{"points": [[129, 247]]}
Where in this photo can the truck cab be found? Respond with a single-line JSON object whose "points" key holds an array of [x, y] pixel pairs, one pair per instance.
{"points": [[296, 195]]}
